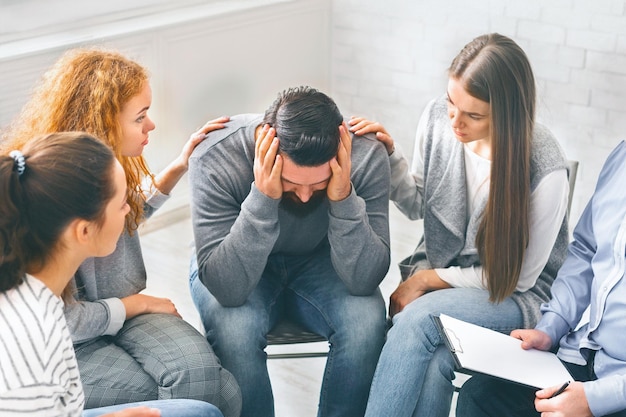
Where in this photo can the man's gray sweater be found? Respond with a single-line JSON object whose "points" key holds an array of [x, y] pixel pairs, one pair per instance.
{"points": [[237, 227]]}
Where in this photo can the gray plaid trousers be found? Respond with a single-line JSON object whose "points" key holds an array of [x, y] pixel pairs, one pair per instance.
{"points": [[155, 356]]}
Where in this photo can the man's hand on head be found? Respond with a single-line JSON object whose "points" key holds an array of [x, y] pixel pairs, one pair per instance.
{"points": [[268, 165], [339, 186]]}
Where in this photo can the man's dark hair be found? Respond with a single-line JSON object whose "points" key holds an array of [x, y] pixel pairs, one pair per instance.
{"points": [[307, 125]]}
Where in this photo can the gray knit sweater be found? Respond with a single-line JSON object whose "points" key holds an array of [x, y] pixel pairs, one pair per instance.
{"points": [[236, 227], [101, 282]]}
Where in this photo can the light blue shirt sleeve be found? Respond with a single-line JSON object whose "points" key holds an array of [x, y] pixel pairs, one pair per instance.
{"points": [[594, 277], [606, 395]]}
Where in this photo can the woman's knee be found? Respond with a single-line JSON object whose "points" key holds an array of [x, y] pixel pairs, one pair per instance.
{"points": [[442, 363], [167, 345], [230, 401], [414, 328], [415, 317]]}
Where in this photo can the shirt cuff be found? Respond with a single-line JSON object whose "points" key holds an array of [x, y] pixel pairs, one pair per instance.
{"points": [[457, 277], [605, 395], [553, 325], [260, 205], [350, 207], [396, 162], [154, 197], [117, 315]]}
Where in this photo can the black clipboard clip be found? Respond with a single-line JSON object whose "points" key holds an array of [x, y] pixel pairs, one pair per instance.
{"points": [[451, 340], [455, 342]]}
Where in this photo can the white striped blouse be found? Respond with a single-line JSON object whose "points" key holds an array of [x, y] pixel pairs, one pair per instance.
{"points": [[38, 371]]}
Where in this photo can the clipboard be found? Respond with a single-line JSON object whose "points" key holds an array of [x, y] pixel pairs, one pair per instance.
{"points": [[476, 349]]}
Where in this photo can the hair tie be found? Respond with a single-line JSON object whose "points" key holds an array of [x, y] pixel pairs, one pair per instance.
{"points": [[20, 162]]}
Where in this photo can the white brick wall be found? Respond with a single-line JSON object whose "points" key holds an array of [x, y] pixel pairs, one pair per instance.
{"points": [[390, 58]]}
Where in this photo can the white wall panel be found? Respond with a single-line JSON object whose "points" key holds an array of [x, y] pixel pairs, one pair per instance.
{"points": [[220, 60]]}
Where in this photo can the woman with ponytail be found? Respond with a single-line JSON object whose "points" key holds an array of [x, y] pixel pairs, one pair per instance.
{"points": [[63, 200]]}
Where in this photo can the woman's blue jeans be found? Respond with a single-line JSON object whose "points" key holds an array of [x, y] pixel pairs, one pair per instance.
{"points": [[308, 290], [168, 408], [415, 370]]}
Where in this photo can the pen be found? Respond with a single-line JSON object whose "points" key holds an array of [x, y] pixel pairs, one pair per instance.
{"points": [[560, 390]]}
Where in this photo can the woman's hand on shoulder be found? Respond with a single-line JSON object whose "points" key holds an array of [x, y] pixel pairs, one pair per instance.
{"points": [[361, 126], [142, 303], [199, 135], [167, 179]]}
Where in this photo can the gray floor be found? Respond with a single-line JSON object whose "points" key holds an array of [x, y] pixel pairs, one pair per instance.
{"points": [[295, 382]]}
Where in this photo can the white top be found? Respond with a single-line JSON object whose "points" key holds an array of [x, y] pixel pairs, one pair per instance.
{"points": [[548, 204], [38, 371]]}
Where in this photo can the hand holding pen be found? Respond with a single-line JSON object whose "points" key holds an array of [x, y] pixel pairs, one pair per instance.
{"points": [[560, 390], [568, 400]]}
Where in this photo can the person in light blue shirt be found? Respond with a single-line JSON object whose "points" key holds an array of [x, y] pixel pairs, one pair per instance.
{"points": [[591, 279]]}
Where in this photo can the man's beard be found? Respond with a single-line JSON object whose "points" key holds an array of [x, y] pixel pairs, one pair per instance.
{"points": [[293, 205]]}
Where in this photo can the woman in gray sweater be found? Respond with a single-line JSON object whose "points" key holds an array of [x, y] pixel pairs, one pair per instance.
{"points": [[129, 346], [491, 187]]}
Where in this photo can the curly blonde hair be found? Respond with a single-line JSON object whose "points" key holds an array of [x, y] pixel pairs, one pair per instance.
{"points": [[85, 90]]}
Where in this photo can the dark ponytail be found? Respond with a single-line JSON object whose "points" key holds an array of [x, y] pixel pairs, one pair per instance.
{"points": [[12, 229], [65, 176]]}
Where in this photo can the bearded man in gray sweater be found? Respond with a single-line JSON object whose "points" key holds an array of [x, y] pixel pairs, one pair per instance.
{"points": [[291, 219]]}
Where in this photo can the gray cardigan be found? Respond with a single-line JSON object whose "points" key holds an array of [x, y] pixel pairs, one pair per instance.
{"points": [[101, 282], [449, 237]]}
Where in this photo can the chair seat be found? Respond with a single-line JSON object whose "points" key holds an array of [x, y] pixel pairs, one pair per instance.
{"points": [[287, 332]]}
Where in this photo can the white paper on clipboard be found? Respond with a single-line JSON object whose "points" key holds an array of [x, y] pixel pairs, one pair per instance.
{"points": [[478, 349]]}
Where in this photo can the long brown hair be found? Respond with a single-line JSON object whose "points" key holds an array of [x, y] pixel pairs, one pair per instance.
{"points": [[493, 68], [85, 90]]}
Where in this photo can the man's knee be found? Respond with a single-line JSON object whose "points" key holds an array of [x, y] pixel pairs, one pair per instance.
{"points": [[470, 395], [476, 397], [237, 331], [362, 323]]}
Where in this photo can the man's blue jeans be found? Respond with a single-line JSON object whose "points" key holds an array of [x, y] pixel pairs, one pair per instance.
{"points": [[483, 395], [307, 289], [415, 370]]}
